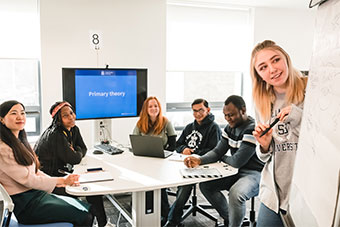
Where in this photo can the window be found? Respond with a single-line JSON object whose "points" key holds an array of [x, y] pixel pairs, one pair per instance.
{"points": [[19, 58], [207, 56], [21, 82]]}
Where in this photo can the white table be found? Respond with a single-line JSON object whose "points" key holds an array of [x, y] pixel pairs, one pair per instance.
{"points": [[137, 175]]}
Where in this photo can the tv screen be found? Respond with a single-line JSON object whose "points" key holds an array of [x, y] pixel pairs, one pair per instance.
{"points": [[104, 93]]}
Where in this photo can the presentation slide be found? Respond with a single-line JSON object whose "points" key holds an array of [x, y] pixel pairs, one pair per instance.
{"points": [[105, 93]]}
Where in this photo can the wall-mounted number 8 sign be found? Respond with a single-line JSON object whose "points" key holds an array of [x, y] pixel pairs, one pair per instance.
{"points": [[95, 39]]}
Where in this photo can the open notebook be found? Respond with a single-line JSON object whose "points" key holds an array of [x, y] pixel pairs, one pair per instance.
{"points": [[95, 176]]}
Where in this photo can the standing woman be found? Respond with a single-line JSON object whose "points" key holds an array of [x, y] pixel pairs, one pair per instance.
{"points": [[28, 187], [152, 122], [278, 92], [60, 147]]}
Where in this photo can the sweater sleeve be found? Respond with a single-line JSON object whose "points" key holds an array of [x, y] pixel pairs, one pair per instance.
{"points": [[64, 151], [264, 157], [136, 131], [243, 153], [24, 176], [171, 134], [217, 153], [171, 143], [79, 143], [181, 144]]}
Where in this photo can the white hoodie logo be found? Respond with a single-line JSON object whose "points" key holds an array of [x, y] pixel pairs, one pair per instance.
{"points": [[194, 139]]}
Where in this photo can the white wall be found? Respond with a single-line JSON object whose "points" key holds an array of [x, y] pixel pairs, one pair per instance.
{"points": [[291, 29], [133, 35]]}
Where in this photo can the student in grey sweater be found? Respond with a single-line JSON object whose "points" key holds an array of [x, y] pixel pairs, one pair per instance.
{"points": [[238, 139], [278, 92]]}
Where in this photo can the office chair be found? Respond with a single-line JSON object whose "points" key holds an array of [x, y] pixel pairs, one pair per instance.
{"points": [[194, 207], [7, 219], [251, 220]]}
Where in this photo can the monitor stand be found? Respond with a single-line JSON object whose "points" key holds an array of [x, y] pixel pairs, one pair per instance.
{"points": [[103, 131]]}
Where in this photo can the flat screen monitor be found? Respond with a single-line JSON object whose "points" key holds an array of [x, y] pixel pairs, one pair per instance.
{"points": [[98, 93]]}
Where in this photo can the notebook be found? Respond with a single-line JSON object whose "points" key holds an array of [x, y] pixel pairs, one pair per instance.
{"points": [[151, 146], [95, 176], [200, 172]]}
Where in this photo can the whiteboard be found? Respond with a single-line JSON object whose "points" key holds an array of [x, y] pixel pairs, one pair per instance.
{"points": [[315, 183]]}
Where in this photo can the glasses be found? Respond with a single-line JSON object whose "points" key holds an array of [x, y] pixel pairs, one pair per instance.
{"points": [[200, 111]]}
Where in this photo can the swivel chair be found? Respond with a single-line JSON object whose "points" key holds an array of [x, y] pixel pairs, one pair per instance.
{"points": [[193, 208], [250, 221], [6, 209]]}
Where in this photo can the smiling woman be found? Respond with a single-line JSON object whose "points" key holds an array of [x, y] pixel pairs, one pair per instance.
{"points": [[279, 92], [29, 188]]}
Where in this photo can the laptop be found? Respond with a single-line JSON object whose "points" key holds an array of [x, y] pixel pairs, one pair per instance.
{"points": [[151, 146]]}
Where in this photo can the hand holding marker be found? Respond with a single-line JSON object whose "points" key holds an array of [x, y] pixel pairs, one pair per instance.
{"points": [[270, 126]]}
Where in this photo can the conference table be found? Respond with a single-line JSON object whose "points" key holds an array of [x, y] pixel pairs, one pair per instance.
{"points": [[143, 176]]}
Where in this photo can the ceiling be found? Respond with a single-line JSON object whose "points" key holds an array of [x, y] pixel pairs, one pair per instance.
{"points": [[288, 4], [18, 5]]}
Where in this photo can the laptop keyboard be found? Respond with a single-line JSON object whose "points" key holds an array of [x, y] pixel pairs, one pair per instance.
{"points": [[109, 149]]}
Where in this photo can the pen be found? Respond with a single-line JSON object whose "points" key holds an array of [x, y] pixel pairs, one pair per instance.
{"points": [[94, 169], [270, 126]]}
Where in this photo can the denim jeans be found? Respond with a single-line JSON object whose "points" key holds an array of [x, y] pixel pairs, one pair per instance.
{"points": [[176, 210], [241, 187], [268, 218]]}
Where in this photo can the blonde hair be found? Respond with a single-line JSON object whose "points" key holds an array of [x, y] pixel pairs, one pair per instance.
{"points": [[263, 93], [144, 123]]}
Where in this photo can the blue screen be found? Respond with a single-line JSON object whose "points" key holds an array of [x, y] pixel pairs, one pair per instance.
{"points": [[105, 93]]}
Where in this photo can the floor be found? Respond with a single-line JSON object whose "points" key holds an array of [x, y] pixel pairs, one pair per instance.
{"points": [[199, 220]]}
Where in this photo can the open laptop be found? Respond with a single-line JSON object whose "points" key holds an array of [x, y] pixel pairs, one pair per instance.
{"points": [[151, 146]]}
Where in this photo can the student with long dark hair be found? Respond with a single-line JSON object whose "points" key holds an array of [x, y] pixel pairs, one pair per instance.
{"points": [[60, 147], [30, 188]]}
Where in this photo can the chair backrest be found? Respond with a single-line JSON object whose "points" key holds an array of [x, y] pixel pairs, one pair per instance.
{"points": [[6, 207], [7, 219]]}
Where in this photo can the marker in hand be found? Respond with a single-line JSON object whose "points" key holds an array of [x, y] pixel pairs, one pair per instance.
{"points": [[270, 126]]}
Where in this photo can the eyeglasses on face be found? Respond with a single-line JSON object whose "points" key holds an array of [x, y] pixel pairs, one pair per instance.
{"points": [[200, 111]]}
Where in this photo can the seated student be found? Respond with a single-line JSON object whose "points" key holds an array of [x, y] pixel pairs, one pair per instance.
{"points": [[152, 122], [236, 137], [28, 187], [198, 137], [60, 147]]}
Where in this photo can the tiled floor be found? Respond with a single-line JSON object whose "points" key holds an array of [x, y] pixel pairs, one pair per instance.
{"points": [[194, 221]]}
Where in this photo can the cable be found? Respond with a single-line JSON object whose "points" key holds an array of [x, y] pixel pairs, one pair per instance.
{"points": [[109, 135], [117, 223]]}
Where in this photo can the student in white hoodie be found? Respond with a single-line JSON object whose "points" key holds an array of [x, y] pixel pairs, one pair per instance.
{"points": [[278, 92]]}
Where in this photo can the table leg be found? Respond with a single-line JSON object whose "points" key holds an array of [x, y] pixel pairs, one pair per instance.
{"points": [[145, 212]]}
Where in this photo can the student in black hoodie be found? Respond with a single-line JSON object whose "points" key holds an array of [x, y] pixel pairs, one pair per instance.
{"points": [[198, 138]]}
